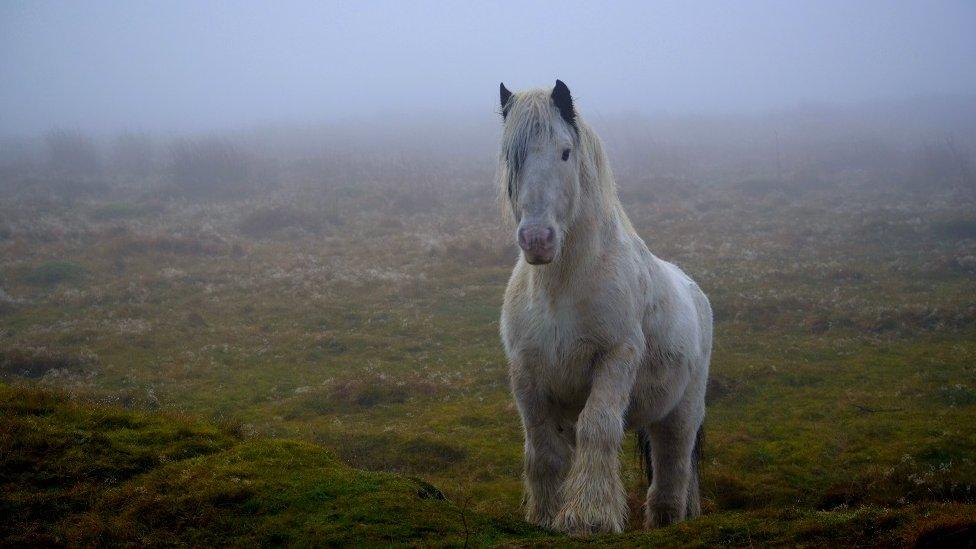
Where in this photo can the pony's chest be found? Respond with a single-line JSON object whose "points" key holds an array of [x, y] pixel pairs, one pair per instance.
{"points": [[557, 345]]}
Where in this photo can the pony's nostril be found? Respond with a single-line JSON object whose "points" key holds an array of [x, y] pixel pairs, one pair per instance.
{"points": [[535, 237]]}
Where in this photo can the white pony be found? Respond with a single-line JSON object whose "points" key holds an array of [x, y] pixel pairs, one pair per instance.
{"points": [[600, 334]]}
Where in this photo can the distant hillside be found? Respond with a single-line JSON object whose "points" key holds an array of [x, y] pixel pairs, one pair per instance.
{"points": [[73, 473]]}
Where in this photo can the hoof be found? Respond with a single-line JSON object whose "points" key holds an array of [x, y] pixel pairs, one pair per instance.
{"points": [[582, 522], [661, 516]]}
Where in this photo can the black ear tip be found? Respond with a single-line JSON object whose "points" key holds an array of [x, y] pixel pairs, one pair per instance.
{"points": [[505, 95], [561, 91], [564, 102]]}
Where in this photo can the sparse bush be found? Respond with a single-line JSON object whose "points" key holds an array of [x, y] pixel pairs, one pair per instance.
{"points": [[122, 210], [928, 476], [942, 532], [35, 362], [417, 200], [134, 154], [478, 251], [389, 452], [191, 245], [719, 387], [266, 222], [729, 492], [430, 456], [72, 153], [957, 395], [52, 273], [956, 229], [755, 188], [352, 395], [208, 166], [943, 164]]}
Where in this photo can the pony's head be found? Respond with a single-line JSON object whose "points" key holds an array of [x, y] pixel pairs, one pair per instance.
{"points": [[540, 167]]}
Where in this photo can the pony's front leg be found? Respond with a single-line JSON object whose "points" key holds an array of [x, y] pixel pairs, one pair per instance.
{"points": [[547, 460], [548, 451], [593, 494]]}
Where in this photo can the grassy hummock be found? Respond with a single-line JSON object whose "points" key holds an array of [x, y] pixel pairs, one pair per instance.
{"points": [[81, 474]]}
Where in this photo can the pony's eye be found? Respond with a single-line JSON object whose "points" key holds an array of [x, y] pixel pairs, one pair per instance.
{"points": [[565, 154]]}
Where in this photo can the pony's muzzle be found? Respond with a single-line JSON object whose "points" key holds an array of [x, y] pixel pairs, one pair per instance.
{"points": [[538, 243]]}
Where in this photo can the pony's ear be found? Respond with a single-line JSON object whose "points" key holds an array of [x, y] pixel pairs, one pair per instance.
{"points": [[564, 102], [505, 96]]}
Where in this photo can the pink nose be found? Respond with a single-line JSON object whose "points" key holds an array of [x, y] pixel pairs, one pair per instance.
{"points": [[537, 242]]}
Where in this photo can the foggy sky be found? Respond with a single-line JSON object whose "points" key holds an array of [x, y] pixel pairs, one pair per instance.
{"points": [[108, 66]]}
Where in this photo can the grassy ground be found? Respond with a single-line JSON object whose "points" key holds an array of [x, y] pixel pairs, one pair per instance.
{"points": [[363, 321], [74, 473]]}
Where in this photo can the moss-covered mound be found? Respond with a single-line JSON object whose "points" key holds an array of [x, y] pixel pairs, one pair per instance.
{"points": [[76, 473], [73, 473]]}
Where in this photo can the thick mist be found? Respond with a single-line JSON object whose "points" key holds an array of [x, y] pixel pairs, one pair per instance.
{"points": [[253, 258], [105, 67]]}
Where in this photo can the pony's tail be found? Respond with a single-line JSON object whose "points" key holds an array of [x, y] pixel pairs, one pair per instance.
{"points": [[694, 492], [644, 454]]}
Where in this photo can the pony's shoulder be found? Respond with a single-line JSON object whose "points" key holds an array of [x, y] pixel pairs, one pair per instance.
{"points": [[677, 274]]}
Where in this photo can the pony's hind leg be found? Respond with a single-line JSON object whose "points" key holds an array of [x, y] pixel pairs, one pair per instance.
{"points": [[673, 494]]}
